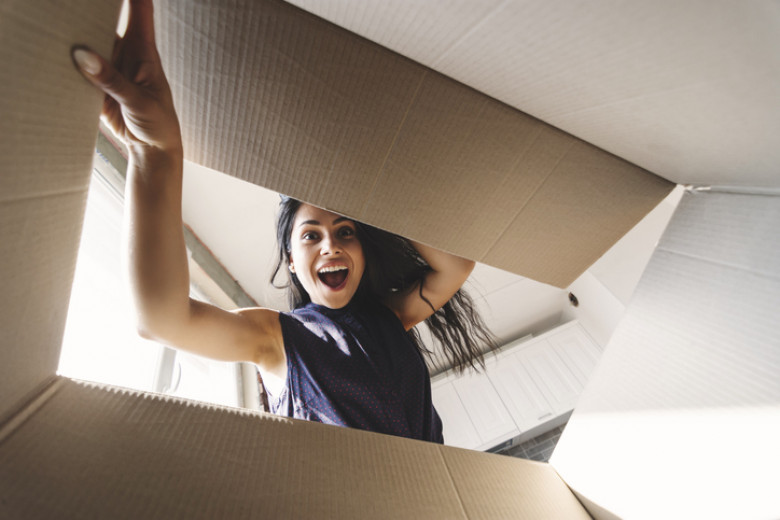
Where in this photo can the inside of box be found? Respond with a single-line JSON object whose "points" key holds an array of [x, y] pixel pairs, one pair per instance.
{"points": [[142, 455], [680, 417], [48, 134], [696, 355], [322, 115]]}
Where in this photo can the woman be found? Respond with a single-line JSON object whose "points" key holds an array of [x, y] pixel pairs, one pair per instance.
{"points": [[343, 356]]}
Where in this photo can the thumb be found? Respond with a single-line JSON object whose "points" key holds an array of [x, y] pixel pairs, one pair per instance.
{"points": [[104, 76]]}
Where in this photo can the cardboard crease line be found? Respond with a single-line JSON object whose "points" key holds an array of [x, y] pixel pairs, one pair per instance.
{"points": [[42, 396], [573, 492], [392, 144], [519, 212], [43, 195], [510, 171], [452, 481], [435, 64], [712, 261]]}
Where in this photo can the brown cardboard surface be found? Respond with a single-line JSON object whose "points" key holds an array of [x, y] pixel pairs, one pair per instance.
{"points": [[100, 452], [498, 487], [691, 370], [687, 90], [274, 95], [681, 418], [74, 450], [48, 127], [571, 212]]}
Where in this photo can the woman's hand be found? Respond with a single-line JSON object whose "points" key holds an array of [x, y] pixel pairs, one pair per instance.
{"points": [[138, 105]]}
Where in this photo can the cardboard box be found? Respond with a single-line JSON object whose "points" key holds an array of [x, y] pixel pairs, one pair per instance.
{"points": [[692, 369], [303, 107]]}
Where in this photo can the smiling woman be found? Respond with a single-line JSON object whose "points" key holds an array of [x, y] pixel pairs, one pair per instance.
{"points": [[344, 354], [351, 354], [325, 256]]}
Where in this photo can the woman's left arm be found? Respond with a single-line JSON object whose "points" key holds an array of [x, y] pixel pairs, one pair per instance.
{"points": [[447, 275]]}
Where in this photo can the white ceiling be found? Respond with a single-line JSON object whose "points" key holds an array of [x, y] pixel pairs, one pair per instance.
{"points": [[686, 89]]}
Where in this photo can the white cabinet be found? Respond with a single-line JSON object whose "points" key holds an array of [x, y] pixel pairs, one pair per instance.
{"points": [[551, 376], [521, 388], [524, 400], [458, 428], [487, 411], [576, 350]]}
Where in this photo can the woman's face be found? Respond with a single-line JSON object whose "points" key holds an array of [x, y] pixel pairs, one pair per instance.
{"points": [[326, 255]]}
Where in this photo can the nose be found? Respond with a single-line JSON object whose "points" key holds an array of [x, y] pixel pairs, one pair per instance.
{"points": [[330, 245]]}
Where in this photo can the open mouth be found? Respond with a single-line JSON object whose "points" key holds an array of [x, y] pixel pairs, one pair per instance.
{"points": [[333, 276]]}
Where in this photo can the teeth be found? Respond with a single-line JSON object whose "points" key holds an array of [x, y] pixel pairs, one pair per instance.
{"points": [[332, 269]]}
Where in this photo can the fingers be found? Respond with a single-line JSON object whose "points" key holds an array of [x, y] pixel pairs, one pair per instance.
{"points": [[104, 76], [112, 117], [117, 50], [141, 22]]}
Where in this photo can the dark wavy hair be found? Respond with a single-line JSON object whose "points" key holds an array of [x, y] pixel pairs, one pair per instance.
{"points": [[392, 265]]}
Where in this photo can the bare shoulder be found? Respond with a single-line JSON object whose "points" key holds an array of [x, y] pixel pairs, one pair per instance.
{"points": [[267, 319], [270, 351], [267, 325]]}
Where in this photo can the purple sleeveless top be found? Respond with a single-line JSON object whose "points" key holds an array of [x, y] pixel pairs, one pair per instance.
{"points": [[356, 367]]}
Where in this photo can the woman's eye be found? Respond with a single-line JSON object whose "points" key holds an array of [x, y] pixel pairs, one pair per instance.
{"points": [[346, 232], [310, 235]]}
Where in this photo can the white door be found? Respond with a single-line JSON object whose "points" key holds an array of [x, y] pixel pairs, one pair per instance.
{"points": [[552, 376], [490, 417], [458, 429], [524, 399]]}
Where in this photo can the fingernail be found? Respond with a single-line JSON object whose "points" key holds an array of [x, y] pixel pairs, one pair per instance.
{"points": [[87, 61]]}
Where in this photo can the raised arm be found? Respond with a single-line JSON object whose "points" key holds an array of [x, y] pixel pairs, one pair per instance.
{"points": [[139, 108], [159, 275], [447, 275]]}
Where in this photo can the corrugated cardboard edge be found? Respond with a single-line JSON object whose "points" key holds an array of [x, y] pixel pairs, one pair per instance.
{"points": [[131, 454], [28, 408], [47, 137]]}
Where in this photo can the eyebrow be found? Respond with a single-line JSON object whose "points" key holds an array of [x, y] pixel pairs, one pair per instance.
{"points": [[317, 222]]}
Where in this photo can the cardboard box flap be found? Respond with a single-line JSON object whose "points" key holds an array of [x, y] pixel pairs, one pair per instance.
{"points": [[499, 487], [276, 96], [691, 375], [134, 455], [48, 127], [687, 90]]}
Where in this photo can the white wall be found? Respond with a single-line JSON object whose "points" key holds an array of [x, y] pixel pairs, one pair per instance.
{"points": [[692, 371], [605, 289]]}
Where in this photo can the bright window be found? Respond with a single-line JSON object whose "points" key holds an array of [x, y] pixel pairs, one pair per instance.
{"points": [[100, 342]]}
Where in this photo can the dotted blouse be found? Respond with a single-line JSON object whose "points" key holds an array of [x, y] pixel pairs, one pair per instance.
{"points": [[356, 367]]}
